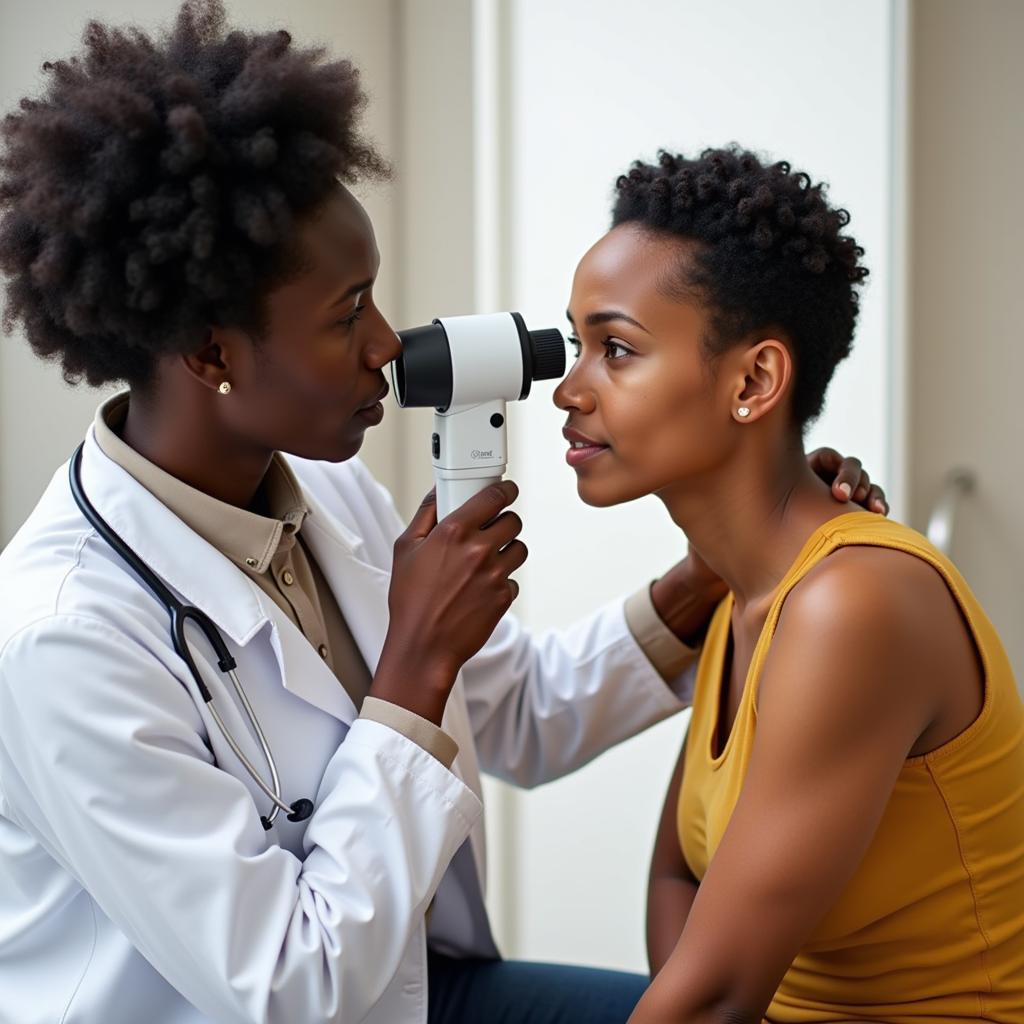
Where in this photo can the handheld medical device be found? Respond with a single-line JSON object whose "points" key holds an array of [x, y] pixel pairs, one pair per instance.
{"points": [[467, 368]]}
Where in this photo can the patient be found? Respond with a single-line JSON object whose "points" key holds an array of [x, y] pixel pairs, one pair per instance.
{"points": [[843, 837]]}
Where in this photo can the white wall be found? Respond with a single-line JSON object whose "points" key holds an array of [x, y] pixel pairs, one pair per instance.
{"points": [[592, 87], [437, 182]]}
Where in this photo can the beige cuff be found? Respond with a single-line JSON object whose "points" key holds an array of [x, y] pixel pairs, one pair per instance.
{"points": [[413, 727], [665, 651]]}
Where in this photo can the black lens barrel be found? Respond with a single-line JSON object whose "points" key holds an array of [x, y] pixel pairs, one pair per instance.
{"points": [[543, 354], [423, 372], [548, 354]]}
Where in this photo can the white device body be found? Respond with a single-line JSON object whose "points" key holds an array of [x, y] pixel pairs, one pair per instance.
{"points": [[487, 358], [487, 371], [470, 452]]}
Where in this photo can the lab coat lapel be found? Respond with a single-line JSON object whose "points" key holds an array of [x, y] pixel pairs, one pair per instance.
{"points": [[303, 671], [360, 589]]}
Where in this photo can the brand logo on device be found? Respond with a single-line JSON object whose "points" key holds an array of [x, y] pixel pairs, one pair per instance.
{"points": [[477, 454]]}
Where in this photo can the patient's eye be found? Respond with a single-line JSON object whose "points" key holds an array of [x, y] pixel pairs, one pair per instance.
{"points": [[615, 349]]}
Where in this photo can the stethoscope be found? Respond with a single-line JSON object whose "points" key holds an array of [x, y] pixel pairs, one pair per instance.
{"points": [[180, 614]]}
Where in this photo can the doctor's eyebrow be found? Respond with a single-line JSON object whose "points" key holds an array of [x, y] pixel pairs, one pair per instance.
{"points": [[349, 292], [605, 316]]}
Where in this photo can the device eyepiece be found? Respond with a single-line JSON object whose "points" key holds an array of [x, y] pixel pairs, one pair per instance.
{"points": [[548, 354]]}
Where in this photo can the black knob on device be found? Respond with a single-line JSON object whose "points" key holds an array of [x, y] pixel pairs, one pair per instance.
{"points": [[548, 354]]}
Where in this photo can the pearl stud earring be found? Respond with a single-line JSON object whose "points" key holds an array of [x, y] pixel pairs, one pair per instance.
{"points": [[225, 387], [743, 412]]}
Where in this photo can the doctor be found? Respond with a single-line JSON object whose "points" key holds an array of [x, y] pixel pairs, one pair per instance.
{"points": [[305, 846]]}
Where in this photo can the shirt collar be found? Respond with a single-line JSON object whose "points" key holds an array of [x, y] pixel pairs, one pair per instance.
{"points": [[250, 540]]}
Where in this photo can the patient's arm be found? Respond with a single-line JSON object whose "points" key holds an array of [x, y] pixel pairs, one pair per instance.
{"points": [[671, 887], [864, 649]]}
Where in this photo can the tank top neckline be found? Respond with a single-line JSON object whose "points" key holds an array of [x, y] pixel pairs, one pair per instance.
{"points": [[818, 536]]}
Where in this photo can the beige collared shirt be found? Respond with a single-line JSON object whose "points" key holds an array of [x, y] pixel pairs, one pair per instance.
{"points": [[267, 546], [265, 542]]}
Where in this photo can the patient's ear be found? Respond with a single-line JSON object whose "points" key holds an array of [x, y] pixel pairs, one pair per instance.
{"points": [[765, 371]]}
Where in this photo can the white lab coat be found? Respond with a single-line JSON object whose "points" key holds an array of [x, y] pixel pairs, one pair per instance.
{"points": [[136, 882]]}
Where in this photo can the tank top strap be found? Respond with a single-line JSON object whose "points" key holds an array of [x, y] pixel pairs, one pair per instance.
{"points": [[863, 528]]}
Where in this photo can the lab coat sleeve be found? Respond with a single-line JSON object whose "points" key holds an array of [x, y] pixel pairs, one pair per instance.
{"points": [[542, 706], [102, 757]]}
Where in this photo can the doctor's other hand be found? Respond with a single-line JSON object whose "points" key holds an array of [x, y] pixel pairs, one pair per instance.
{"points": [[848, 480], [687, 595], [450, 587]]}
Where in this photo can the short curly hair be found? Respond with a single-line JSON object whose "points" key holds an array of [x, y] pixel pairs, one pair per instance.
{"points": [[770, 253], [155, 188]]}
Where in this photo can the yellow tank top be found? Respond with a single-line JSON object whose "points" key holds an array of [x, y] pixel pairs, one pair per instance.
{"points": [[931, 926]]}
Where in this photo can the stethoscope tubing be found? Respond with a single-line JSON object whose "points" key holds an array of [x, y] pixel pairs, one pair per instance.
{"points": [[180, 614]]}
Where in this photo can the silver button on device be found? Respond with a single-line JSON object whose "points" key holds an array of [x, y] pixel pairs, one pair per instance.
{"points": [[251, 562], [287, 578], [322, 651]]}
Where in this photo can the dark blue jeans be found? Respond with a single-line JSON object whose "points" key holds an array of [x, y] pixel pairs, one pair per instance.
{"points": [[513, 992]]}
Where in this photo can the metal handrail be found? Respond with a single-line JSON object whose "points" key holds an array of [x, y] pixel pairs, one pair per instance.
{"points": [[959, 483]]}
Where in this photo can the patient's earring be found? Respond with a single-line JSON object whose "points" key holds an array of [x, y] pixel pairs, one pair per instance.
{"points": [[743, 412], [225, 387]]}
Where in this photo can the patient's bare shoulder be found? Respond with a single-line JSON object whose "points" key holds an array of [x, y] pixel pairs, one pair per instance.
{"points": [[891, 613], [885, 589]]}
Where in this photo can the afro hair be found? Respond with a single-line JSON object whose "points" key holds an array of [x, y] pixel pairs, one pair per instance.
{"points": [[155, 187]]}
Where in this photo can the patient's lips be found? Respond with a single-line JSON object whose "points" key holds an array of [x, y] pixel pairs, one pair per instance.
{"points": [[582, 448]]}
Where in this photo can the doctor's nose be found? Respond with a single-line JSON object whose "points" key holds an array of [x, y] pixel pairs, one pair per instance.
{"points": [[383, 347]]}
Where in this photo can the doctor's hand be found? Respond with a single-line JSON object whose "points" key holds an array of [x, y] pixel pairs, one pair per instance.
{"points": [[450, 587], [848, 480], [687, 595]]}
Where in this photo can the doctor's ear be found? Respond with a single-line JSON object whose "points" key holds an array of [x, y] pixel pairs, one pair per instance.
{"points": [[765, 371], [211, 363]]}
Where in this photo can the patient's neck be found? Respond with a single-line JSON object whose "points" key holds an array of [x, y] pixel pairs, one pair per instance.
{"points": [[749, 518]]}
